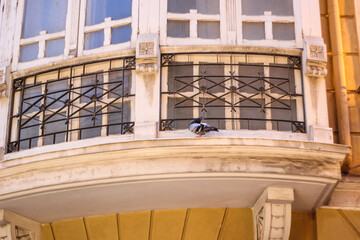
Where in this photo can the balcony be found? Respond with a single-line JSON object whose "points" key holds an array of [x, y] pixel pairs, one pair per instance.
{"points": [[102, 128]]}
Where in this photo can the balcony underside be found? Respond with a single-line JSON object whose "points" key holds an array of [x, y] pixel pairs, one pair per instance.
{"points": [[113, 177]]}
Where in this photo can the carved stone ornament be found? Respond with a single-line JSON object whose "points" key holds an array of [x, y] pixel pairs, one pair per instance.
{"points": [[14, 227], [317, 52], [147, 54], [316, 70], [272, 214], [146, 48], [316, 56]]}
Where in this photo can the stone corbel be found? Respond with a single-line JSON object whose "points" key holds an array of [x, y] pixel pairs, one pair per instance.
{"points": [[272, 214], [316, 58], [14, 226], [321, 134], [147, 54]]}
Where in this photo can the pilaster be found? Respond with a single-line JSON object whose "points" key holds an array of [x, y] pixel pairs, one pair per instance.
{"points": [[147, 100]]}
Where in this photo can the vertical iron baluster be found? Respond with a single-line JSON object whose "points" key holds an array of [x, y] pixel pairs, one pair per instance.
{"points": [[20, 112], [68, 105], [122, 95], [43, 109]]}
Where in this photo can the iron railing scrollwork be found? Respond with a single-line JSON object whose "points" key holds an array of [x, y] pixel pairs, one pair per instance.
{"points": [[70, 103], [232, 91]]}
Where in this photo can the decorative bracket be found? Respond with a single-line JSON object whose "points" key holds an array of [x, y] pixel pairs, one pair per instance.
{"points": [[14, 226], [316, 56], [272, 214], [147, 54]]}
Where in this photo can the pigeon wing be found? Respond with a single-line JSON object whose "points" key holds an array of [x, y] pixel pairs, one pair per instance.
{"points": [[196, 128]]}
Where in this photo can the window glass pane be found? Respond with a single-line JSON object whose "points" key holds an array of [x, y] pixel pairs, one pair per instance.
{"points": [[94, 40], [121, 34], [29, 52], [32, 99], [249, 80], [55, 47], [90, 121], [284, 110], [98, 10], [208, 30], [251, 108], [283, 31], [282, 79], [30, 130], [114, 116], [180, 78], [55, 123], [57, 94], [214, 109], [44, 15], [183, 6], [211, 77], [208, 6], [178, 29], [202, 6], [116, 83], [277, 7], [92, 85], [177, 108], [253, 30]]}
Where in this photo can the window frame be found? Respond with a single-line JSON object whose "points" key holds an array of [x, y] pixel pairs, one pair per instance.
{"points": [[74, 34], [42, 38], [106, 26], [231, 20], [268, 19], [193, 17]]}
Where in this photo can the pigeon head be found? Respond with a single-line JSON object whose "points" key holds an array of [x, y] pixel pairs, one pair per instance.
{"points": [[198, 120]]}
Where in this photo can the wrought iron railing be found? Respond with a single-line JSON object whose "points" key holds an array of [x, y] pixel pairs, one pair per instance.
{"points": [[70, 103], [232, 91]]}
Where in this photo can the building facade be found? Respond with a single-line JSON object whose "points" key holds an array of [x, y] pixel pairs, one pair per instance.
{"points": [[97, 97]]}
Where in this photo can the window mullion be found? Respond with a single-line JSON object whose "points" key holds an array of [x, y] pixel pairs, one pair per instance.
{"points": [[193, 23]]}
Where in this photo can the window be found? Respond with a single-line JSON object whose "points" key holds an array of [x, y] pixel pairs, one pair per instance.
{"points": [[268, 21], [105, 23], [232, 91], [193, 19], [53, 30], [72, 103], [43, 29], [237, 22]]}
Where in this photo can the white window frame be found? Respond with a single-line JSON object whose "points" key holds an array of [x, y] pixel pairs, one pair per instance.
{"points": [[268, 19], [74, 34], [193, 17], [67, 33], [231, 20], [106, 26]]}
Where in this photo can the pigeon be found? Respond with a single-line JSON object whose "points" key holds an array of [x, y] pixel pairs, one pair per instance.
{"points": [[200, 128]]}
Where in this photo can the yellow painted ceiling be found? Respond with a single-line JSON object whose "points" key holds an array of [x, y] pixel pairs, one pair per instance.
{"points": [[179, 224]]}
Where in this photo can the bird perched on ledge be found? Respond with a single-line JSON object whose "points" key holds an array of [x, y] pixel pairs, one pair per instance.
{"points": [[200, 128]]}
